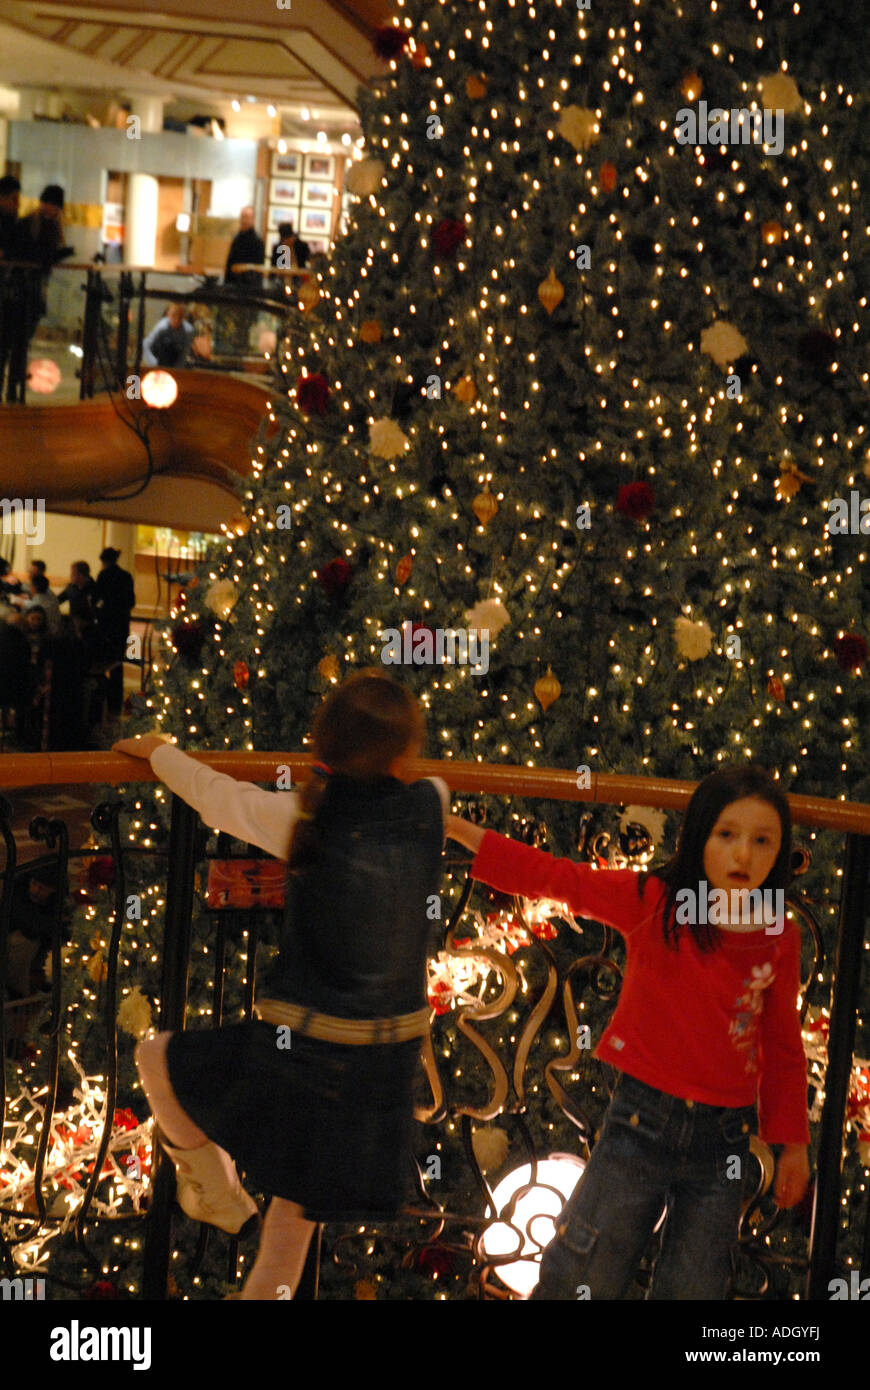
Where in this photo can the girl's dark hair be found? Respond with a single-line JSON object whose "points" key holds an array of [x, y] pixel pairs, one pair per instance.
{"points": [[358, 731], [685, 868]]}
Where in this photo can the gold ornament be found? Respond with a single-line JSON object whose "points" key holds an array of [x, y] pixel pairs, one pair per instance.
{"points": [[309, 296], [788, 484], [97, 968], [476, 86], [771, 233], [691, 86], [484, 506], [547, 689], [551, 292], [328, 667], [370, 331], [465, 390]]}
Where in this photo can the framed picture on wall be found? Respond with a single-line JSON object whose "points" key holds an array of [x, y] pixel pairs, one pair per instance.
{"points": [[287, 165], [316, 221], [317, 195], [279, 213], [320, 166], [285, 191]]}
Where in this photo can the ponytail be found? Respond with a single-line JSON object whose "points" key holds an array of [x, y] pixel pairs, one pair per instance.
{"points": [[358, 732]]}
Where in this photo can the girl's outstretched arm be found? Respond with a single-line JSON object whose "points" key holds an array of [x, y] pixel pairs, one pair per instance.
{"points": [[606, 895], [239, 808]]}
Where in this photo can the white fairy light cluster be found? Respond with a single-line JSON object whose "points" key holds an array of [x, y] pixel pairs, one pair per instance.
{"points": [[74, 1143]]}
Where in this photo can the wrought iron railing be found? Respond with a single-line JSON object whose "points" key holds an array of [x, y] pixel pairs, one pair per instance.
{"points": [[185, 849]]}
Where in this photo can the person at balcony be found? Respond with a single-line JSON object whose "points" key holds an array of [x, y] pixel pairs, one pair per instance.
{"points": [[314, 1099], [42, 597], [10, 200], [16, 672], [114, 601], [247, 248], [706, 1029], [9, 586], [80, 594], [36, 567], [169, 341], [39, 238], [288, 253]]}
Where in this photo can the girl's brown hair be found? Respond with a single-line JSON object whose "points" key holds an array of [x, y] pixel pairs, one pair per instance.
{"points": [[358, 731]]}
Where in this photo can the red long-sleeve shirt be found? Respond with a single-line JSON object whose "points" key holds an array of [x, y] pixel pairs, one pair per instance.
{"points": [[719, 1027]]}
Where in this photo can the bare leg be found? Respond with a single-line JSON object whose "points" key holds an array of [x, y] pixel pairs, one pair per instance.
{"points": [[281, 1256], [175, 1123]]}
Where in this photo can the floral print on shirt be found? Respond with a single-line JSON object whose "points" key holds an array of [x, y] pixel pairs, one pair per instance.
{"points": [[743, 1030]]}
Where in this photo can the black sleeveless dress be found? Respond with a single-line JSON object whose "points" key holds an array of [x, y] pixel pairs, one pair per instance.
{"points": [[324, 1124]]}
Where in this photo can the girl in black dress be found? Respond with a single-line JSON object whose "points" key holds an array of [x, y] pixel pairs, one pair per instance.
{"points": [[314, 1098]]}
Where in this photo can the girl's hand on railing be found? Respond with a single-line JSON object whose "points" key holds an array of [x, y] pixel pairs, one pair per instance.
{"points": [[139, 747], [792, 1175], [464, 831]]}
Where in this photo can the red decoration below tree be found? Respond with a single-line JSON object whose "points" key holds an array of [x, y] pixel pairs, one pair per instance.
{"points": [[335, 577], [390, 41], [850, 651], [607, 175], [447, 237], [312, 393], [635, 500]]}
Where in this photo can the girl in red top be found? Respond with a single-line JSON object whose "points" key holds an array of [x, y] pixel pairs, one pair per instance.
{"points": [[706, 1035]]}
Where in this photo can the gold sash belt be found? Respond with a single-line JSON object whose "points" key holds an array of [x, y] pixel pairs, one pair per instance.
{"points": [[353, 1031]]}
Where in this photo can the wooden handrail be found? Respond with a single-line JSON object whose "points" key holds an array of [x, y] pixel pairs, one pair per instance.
{"points": [[545, 783]]}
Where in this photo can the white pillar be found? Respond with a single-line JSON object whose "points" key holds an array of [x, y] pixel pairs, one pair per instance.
{"points": [[149, 109], [140, 220]]}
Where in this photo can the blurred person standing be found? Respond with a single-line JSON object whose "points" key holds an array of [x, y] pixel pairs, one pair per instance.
{"points": [[115, 601]]}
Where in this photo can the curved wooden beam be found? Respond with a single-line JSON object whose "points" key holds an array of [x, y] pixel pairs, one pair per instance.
{"points": [[89, 451]]}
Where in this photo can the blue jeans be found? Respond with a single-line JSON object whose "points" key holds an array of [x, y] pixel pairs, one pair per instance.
{"points": [[654, 1151]]}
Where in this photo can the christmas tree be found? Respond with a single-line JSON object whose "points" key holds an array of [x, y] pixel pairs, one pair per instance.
{"points": [[583, 384]]}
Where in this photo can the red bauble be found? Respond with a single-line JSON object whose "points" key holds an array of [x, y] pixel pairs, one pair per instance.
{"points": [[335, 577], [776, 688], [187, 638], [447, 237], [101, 871], [312, 393], [389, 41], [101, 1289], [850, 651], [435, 1260], [818, 348], [241, 675], [125, 1119], [607, 175], [635, 500], [403, 569]]}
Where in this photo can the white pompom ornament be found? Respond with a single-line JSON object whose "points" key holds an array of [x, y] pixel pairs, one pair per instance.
{"points": [[694, 640], [723, 342], [386, 440], [489, 615], [364, 177], [779, 92], [221, 597], [579, 126]]}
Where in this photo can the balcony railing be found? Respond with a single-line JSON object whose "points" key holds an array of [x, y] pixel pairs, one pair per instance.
{"points": [[107, 310], [184, 851]]}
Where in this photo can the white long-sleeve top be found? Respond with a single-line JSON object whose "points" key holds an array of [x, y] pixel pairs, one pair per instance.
{"points": [[240, 809]]}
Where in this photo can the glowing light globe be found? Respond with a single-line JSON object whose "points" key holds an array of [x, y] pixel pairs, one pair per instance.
{"points": [[43, 376], [159, 390], [534, 1217]]}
